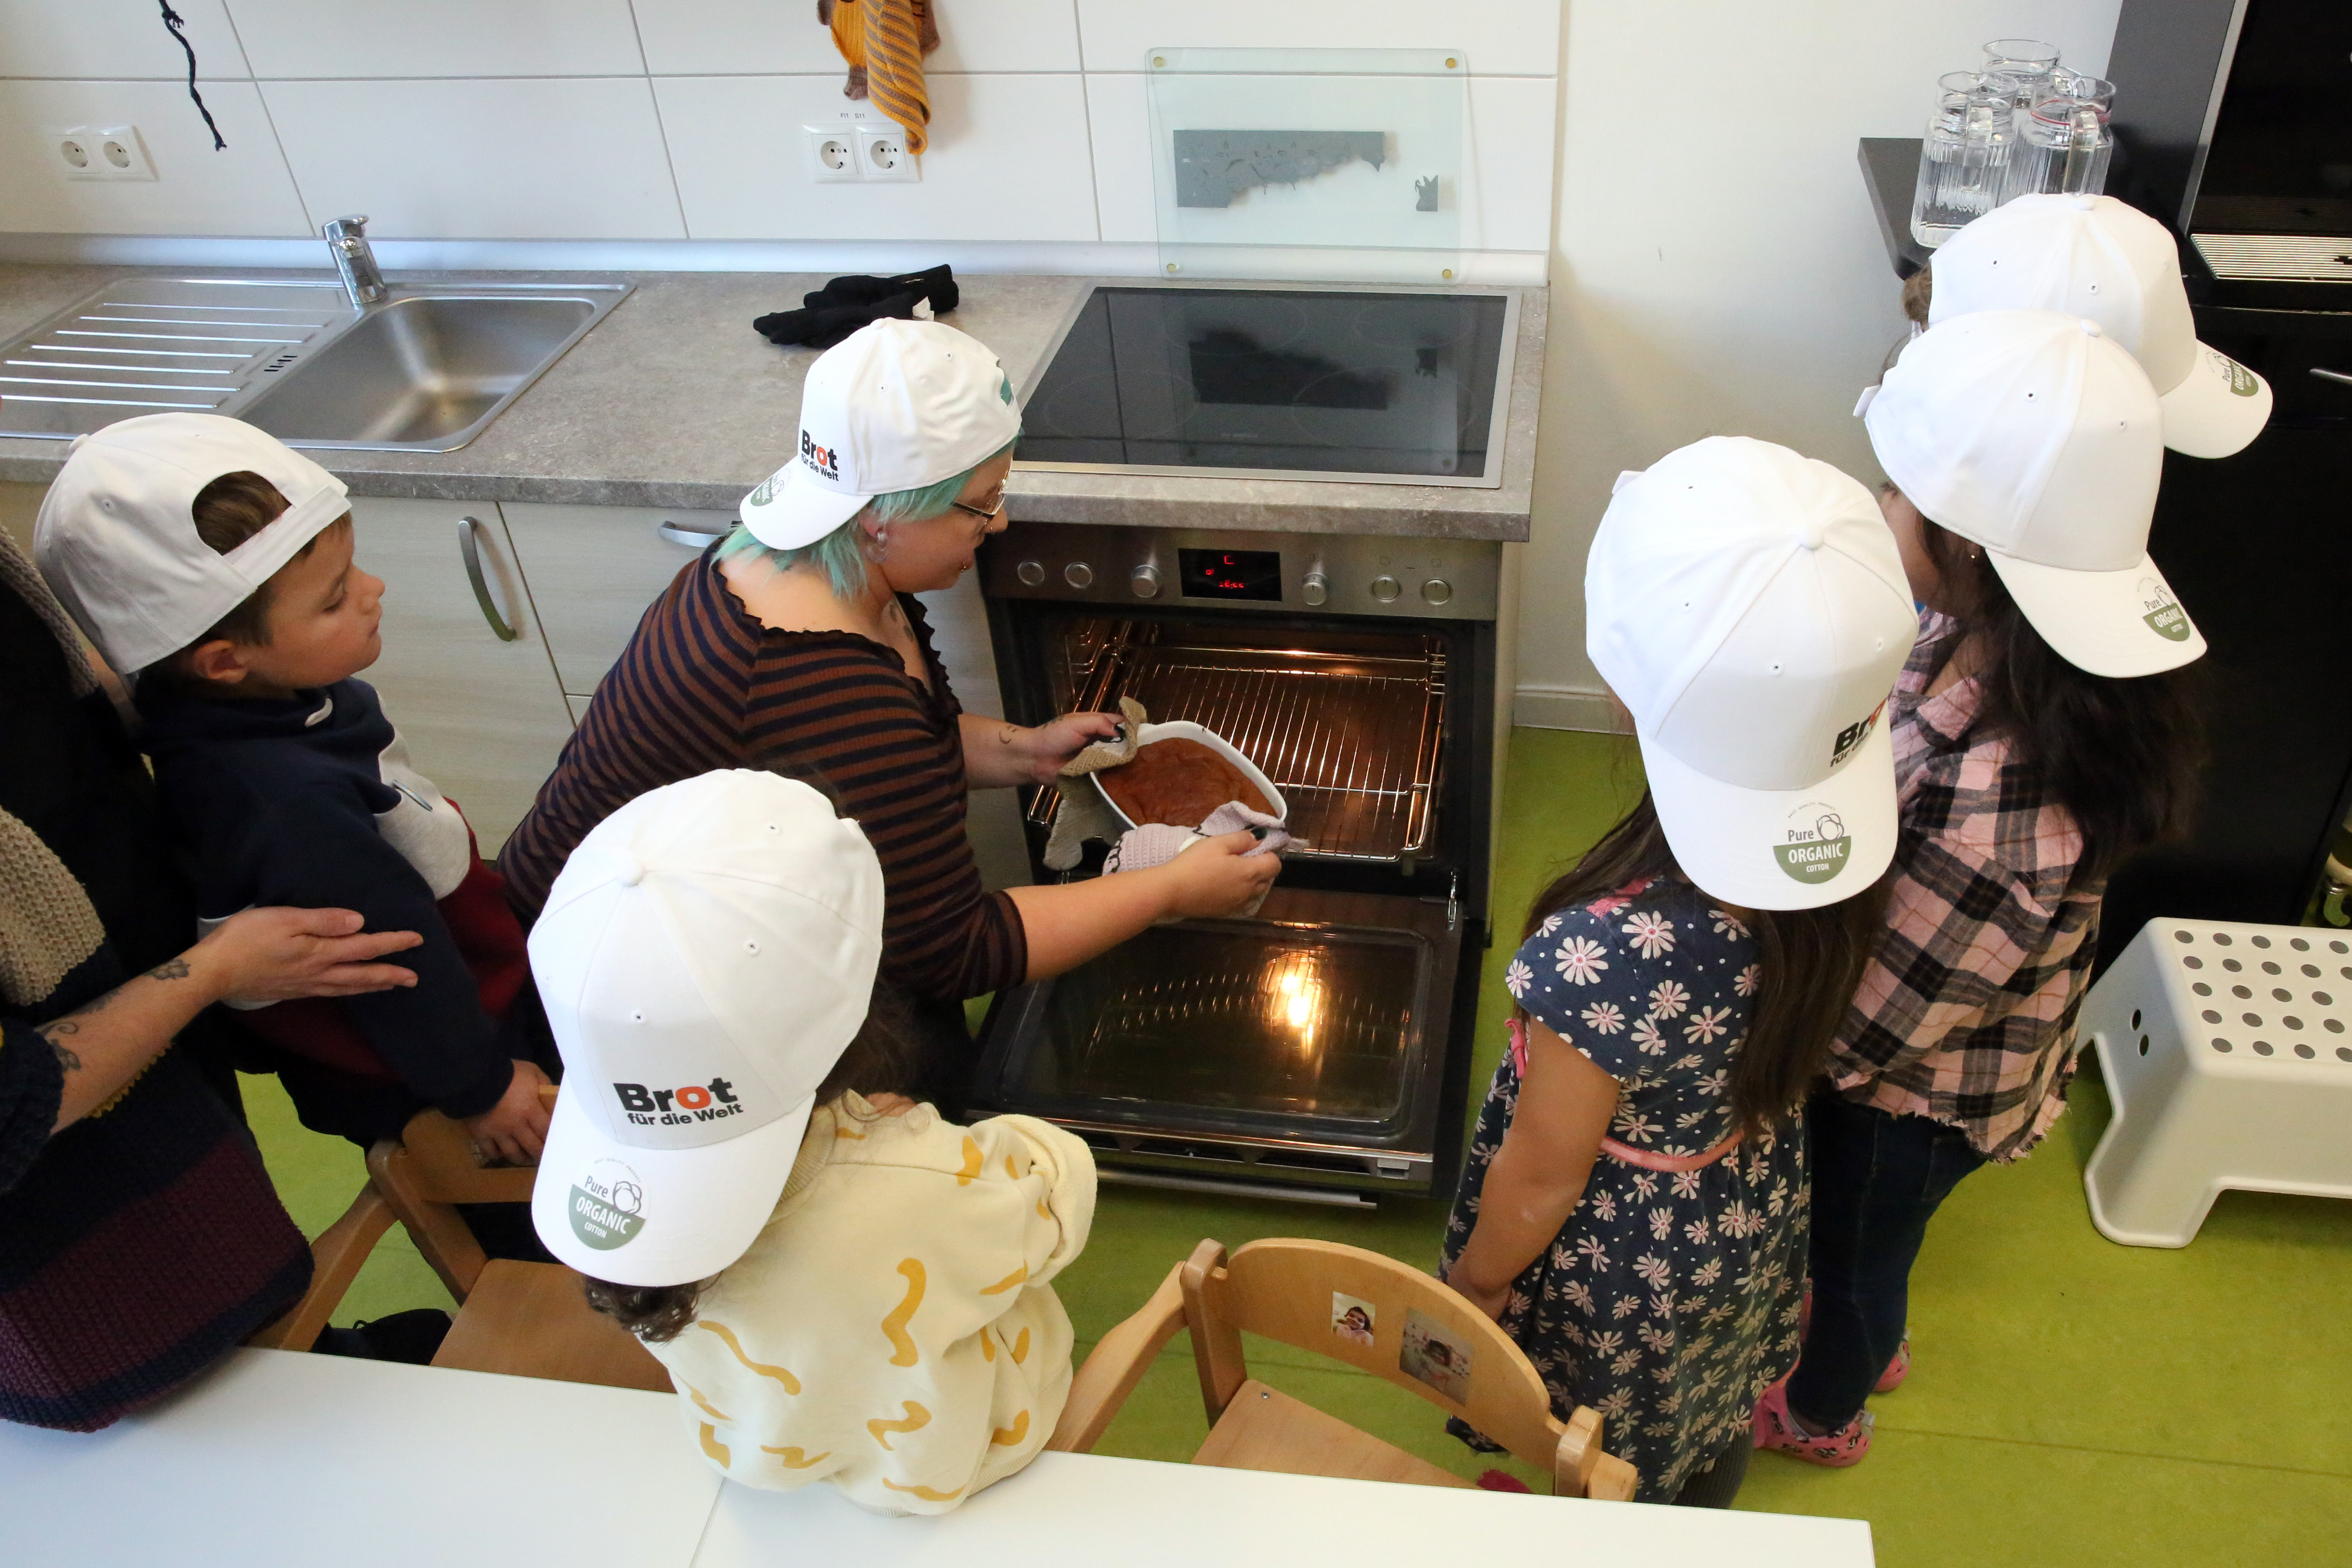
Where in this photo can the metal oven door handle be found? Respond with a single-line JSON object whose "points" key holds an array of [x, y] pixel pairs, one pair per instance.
{"points": [[2334, 375]]}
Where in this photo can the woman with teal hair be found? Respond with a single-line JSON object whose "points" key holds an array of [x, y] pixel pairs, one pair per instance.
{"points": [[796, 644]]}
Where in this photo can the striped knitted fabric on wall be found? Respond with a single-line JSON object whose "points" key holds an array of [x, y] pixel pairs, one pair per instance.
{"points": [[885, 42]]}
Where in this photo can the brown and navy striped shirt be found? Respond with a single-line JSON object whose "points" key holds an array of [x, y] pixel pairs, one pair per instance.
{"points": [[703, 685]]}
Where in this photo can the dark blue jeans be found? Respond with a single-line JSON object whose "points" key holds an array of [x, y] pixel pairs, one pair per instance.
{"points": [[1877, 1180]]}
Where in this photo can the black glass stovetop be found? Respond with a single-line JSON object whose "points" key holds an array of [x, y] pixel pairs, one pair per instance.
{"points": [[1316, 383]]}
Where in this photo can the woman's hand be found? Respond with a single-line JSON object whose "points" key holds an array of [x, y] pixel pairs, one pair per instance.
{"points": [[997, 753], [276, 954], [513, 1131], [1218, 876]]}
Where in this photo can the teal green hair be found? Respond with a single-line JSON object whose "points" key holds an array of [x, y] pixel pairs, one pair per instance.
{"points": [[840, 554]]}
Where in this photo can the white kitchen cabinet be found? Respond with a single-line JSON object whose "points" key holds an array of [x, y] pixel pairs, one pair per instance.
{"points": [[594, 570], [482, 714]]}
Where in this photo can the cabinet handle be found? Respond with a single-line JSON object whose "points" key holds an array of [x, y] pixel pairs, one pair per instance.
{"points": [[2334, 375], [692, 538], [468, 528]]}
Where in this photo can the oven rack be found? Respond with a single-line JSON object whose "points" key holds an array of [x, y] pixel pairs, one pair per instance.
{"points": [[1353, 741]]}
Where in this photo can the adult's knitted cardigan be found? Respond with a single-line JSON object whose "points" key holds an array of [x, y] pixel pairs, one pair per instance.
{"points": [[142, 1242]]}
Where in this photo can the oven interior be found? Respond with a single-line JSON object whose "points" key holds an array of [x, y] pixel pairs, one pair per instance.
{"points": [[1349, 724]]}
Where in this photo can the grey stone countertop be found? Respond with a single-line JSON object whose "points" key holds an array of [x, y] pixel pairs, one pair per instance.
{"points": [[674, 401]]}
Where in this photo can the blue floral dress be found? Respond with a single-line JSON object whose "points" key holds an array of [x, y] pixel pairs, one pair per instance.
{"points": [[1669, 1300]]}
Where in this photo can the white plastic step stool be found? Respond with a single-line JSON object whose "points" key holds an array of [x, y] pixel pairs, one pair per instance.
{"points": [[2228, 1053]]}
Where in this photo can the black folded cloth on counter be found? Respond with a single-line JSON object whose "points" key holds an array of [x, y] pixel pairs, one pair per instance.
{"points": [[830, 313]]}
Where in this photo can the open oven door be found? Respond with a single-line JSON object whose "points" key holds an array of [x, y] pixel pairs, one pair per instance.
{"points": [[1303, 1047]]}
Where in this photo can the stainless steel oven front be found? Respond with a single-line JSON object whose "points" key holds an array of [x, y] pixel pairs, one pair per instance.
{"points": [[1320, 1048]]}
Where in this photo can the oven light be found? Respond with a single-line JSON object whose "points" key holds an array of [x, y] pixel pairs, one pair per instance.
{"points": [[1301, 999]]}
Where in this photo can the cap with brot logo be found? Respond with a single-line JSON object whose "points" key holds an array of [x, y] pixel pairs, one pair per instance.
{"points": [[1747, 606], [704, 957]]}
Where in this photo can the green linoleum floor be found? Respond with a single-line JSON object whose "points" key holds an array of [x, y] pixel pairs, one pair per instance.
{"points": [[2071, 1401]]}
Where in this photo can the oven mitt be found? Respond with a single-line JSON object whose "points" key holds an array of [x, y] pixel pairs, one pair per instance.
{"points": [[1085, 813], [1111, 753], [1157, 843]]}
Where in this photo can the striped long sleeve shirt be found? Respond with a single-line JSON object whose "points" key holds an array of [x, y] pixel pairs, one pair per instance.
{"points": [[703, 685]]}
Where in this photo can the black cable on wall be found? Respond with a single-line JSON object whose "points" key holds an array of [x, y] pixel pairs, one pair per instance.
{"points": [[177, 25]]}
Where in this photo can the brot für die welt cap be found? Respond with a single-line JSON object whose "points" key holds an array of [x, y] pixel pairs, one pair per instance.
{"points": [[704, 957], [1749, 607]]}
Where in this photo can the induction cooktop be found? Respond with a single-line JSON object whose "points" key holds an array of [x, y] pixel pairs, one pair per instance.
{"points": [[1393, 387]]}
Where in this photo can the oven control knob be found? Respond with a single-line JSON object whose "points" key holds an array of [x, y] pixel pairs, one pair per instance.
{"points": [[1436, 591], [1032, 572], [1078, 575], [1145, 581], [1315, 588], [1386, 588]]}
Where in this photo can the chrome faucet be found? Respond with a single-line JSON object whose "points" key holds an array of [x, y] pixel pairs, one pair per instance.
{"points": [[354, 262]]}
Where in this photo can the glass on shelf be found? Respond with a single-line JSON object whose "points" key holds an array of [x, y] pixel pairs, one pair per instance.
{"points": [[2022, 66], [1964, 156], [2064, 146]]}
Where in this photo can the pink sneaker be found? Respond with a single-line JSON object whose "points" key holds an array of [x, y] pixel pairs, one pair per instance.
{"points": [[1777, 1429]]}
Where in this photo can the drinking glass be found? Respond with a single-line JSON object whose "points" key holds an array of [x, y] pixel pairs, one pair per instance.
{"points": [[2022, 65], [1964, 156], [2064, 143]]}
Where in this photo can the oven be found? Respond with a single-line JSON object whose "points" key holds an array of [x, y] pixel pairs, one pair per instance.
{"points": [[1320, 1049]]}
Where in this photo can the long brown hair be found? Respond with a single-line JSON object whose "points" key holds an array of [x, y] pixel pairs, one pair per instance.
{"points": [[2121, 755], [1811, 960], [886, 1057]]}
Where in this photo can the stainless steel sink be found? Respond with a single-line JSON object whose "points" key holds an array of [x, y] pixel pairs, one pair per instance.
{"points": [[424, 369]]}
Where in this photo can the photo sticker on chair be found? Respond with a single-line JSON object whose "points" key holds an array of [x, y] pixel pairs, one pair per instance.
{"points": [[1353, 1320], [1435, 1354]]}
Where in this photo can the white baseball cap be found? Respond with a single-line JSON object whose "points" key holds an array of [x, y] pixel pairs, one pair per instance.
{"points": [[2035, 436], [1747, 606], [705, 955], [116, 535], [895, 406], [2098, 258]]}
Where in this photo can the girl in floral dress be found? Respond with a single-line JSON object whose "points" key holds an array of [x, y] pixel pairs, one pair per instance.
{"points": [[1633, 1209]]}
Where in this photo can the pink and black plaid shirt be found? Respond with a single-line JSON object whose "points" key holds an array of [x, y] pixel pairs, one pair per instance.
{"points": [[1966, 1013]]}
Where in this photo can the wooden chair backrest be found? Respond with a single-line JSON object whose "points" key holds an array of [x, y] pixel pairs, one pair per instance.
{"points": [[1285, 1289], [428, 1171]]}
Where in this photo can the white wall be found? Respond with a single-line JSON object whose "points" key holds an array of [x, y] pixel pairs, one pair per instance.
{"points": [[1717, 269], [637, 122]]}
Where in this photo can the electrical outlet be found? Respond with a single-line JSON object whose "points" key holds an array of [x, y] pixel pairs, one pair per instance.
{"points": [[833, 153], [97, 152], [883, 156]]}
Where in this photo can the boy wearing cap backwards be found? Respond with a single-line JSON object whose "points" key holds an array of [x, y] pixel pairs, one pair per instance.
{"points": [[2041, 735], [215, 564], [1633, 1208], [845, 1286]]}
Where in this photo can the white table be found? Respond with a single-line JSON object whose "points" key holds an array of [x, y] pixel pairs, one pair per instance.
{"points": [[278, 1458]]}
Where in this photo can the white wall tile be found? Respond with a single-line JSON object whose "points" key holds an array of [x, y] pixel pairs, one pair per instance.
{"points": [[1119, 112], [514, 159], [1008, 161], [438, 38], [688, 38], [242, 191], [1501, 38], [117, 39]]}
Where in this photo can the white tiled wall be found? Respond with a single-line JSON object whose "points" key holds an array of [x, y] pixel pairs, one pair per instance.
{"points": [[680, 119]]}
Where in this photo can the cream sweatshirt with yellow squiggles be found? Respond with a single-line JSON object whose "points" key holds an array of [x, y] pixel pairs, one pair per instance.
{"points": [[892, 1330]]}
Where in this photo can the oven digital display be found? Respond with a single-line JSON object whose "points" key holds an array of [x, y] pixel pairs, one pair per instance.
{"points": [[1231, 574]]}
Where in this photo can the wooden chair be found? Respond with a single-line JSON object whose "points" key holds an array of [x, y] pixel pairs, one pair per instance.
{"points": [[1296, 1291], [526, 1319], [335, 1259]]}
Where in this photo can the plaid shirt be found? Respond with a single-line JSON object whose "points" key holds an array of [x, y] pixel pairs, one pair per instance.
{"points": [[1966, 1012]]}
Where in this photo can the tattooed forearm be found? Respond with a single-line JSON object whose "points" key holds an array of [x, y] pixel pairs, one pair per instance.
{"points": [[67, 1061], [175, 968]]}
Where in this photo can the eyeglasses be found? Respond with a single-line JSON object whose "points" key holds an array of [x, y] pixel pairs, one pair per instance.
{"points": [[987, 513]]}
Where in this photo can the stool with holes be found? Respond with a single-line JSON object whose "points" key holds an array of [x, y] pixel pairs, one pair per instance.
{"points": [[2228, 1053]]}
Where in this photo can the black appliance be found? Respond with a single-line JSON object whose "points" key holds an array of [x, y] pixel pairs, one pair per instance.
{"points": [[1393, 387], [1322, 1045]]}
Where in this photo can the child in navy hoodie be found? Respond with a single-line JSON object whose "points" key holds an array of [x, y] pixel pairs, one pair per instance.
{"points": [[216, 562]]}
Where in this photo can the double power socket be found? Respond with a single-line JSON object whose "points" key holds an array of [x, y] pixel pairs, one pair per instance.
{"points": [[96, 151], [871, 153]]}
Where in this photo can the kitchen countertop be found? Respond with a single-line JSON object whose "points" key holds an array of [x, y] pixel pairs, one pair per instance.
{"points": [[672, 401]]}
